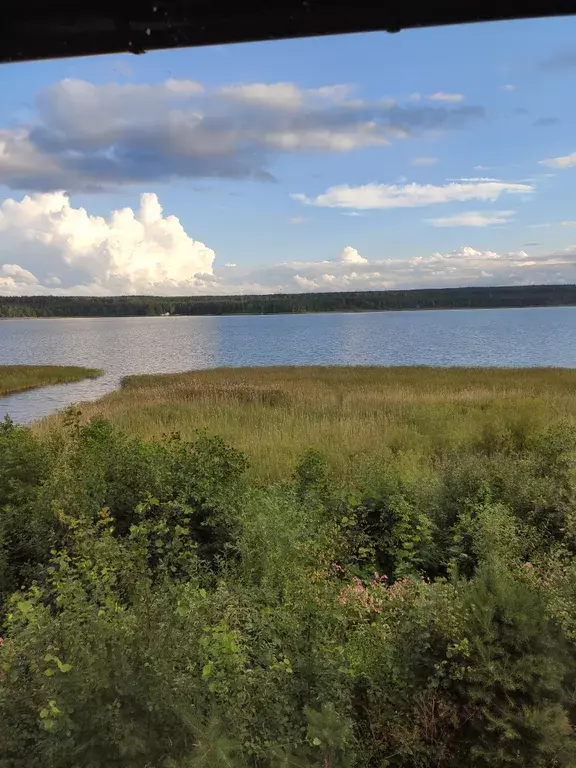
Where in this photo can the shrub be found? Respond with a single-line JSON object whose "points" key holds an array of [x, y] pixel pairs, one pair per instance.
{"points": [[159, 610]]}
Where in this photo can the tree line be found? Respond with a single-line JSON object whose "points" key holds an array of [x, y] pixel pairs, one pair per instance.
{"points": [[286, 303]]}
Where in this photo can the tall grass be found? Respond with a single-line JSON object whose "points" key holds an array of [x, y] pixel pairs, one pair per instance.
{"points": [[274, 414], [16, 378]]}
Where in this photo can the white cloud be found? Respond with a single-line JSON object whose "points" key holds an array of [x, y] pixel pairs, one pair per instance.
{"points": [[47, 246], [305, 283], [482, 178], [473, 219], [509, 87], [565, 161], [463, 266], [367, 135], [350, 255], [383, 196], [450, 97], [13, 276], [424, 161], [180, 87], [139, 251], [17, 273], [568, 223], [338, 93], [283, 95], [279, 95], [91, 137]]}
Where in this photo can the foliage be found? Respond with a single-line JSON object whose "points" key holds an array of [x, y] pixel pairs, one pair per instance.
{"points": [[161, 608], [282, 303]]}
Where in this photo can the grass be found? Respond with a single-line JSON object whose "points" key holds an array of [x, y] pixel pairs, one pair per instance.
{"points": [[274, 414], [17, 378]]}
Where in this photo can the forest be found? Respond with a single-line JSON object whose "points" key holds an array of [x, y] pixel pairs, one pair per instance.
{"points": [[285, 303]]}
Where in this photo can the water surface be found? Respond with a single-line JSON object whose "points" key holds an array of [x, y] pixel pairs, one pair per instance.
{"points": [[121, 346]]}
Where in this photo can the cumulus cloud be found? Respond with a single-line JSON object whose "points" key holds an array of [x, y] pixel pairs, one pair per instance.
{"points": [[350, 255], [565, 161], [473, 219], [451, 97], [47, 246], [461, 267], [91, 137], [12, 275], [382, 196], [62, 249]]}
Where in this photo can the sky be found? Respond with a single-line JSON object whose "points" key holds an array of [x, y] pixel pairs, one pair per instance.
{"points": [[427, 158]]}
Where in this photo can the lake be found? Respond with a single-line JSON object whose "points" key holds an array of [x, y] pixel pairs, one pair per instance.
{"points": [[121, 346]]}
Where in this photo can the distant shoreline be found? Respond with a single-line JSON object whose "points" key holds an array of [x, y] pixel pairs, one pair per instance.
{"points": [[286, 314], [418, 299]]}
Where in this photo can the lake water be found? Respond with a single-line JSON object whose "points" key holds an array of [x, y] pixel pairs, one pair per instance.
{"points": [[121, 346]]}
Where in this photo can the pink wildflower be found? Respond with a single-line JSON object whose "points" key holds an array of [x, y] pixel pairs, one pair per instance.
{"points": [[378, 580], [358, 592], [1, 642], [528, 565]]}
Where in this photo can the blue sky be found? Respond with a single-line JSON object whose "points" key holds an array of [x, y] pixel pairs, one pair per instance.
{"points": [[436, 157]]}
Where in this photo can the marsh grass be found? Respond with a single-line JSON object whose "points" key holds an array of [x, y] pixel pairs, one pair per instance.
{"points": [[274, 414], [16, 378]]}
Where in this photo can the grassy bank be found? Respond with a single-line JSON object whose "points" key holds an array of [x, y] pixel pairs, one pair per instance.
{"points": [[274, 414], [16, 378]]}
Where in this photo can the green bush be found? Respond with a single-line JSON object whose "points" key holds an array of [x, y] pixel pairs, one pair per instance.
{"points": [[159, 610]]}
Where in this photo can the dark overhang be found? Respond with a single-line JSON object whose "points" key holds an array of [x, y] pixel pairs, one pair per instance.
{"points": [[45, 29]]}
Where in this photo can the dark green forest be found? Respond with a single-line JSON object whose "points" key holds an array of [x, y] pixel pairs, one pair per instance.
{"points": [[289, 303]]}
